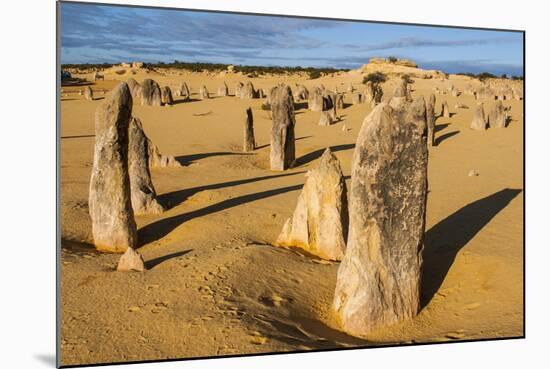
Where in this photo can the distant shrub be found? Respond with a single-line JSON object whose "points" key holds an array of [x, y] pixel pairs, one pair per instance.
{"points": [[485, 75], [392, 59], [517, 78], [254, 70], [314, 74], [481, 76], [375, 78]]}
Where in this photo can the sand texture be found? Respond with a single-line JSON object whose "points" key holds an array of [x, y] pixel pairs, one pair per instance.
{"points": [[215, 285]]}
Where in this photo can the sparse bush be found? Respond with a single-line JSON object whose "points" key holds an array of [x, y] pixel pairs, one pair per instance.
{"points": [[217, 67], [314, 74], [392, 59], [375, 78], [481, 76], [517, 78], [485, 75]]}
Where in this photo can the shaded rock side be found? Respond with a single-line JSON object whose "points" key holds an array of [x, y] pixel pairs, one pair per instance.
{"points": [[498, 116], [249, 144], [479, 122], [203, 93], [282, 153], [430, 119], [113, 224], [166, 96], [144, 196], [248, 91], [150, 93]]}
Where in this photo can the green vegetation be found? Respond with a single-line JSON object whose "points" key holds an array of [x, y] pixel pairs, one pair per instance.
{"points": [[375, 78], [482, 76], [249, 70], [86, 66], [392, 59], [314, 74]]}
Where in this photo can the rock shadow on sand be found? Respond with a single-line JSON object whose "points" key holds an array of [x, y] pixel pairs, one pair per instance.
{"points": [[296, 139], [154, 262], [186, 160], [175, 198], [157, 230], [445, 136], [445, 239], [305, 159]]}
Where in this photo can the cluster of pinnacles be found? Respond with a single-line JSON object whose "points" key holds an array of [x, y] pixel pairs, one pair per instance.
{"points": [[376, 229], [378, 238], [121, 184]]}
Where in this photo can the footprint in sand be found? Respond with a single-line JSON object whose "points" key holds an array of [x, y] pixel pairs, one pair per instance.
{"points": [[456, 335], [273, 300], [472, 306], [159, 307], [257, 338]]}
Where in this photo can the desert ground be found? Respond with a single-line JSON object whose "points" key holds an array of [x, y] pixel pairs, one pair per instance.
{"points": [[215, 285]]}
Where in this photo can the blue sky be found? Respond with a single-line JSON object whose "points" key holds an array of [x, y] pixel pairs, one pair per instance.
{"points": [[99, 34]]}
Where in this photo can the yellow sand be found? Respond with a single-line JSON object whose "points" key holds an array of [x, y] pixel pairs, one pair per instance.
{"points": [[217, 287]]}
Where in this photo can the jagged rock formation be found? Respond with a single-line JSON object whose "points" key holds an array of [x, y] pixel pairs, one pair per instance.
{"points": [[479, 122], [88, 93], [184, 91], [430, 119], [378, 282], [223, 90], [203, 93], [301, 93], [445, 113], [113, 225], [249, 144], [282, 153], [158, 160], [144, 196], [135, 89], [320, 220], [166, 96], [498, 116], [239, 90], [315, 102], [150, 93], [131, 260], [484, 93], [339, 101], [248, 91]]}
